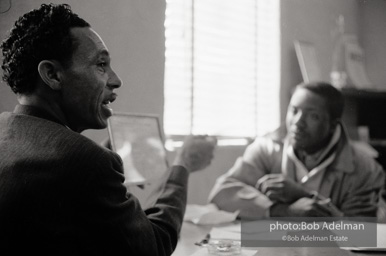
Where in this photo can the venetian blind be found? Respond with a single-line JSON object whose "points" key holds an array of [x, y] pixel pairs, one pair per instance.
{"points": [[222, 67]]}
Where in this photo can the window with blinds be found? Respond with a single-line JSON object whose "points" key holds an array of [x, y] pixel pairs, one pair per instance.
{"points": [[222, 67]]}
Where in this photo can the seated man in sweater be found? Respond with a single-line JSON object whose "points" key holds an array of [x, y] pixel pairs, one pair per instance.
{"points": [[308, 168], [60, 192]]}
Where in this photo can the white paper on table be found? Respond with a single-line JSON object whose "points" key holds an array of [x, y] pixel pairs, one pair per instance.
{"points": [[219, 233], [208, 215], [235, 227], [244, 252]]}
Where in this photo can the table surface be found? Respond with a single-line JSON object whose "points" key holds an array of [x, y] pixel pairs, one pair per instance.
{"points": [[191, 233]]}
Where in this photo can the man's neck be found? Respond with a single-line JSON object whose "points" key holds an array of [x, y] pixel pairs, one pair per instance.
{"points": [[48, 106], [312, 158], [315, 152]]}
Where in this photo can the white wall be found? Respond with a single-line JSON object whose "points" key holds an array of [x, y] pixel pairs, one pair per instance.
{"points": [[373, 30], [312, 21]]}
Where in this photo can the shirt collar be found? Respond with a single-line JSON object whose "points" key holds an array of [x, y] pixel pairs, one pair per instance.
{"points": [[344, 160]]}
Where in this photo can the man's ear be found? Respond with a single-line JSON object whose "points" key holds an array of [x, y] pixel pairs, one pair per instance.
{"points": [[50, 73]]}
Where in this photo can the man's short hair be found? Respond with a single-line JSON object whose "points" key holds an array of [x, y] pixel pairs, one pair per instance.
{"points": [[41, 34], [332, 96]]}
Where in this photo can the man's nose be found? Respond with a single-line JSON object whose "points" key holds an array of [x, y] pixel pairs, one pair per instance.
{"points": [[114, 81]]}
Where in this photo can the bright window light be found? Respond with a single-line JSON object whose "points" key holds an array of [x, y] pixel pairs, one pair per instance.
{"points": [[222, 69]]}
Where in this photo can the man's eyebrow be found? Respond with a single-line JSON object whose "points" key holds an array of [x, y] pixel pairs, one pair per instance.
{"points": [[100, 54], [103, 53], [106, 52], [313, 109], [305, 108]]}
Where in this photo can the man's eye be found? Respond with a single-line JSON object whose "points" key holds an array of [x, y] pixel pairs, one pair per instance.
{"points": [[102, 67], [314, 116]]}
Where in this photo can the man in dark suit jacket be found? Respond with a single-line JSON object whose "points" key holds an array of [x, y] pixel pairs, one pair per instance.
{"points": [[61, 193]]}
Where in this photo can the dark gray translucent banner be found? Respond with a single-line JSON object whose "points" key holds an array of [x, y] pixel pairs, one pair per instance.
{"points": [[309, 232]]}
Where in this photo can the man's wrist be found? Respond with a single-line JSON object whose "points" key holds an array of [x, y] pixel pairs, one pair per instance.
{"points": [[179, 174], [179, 161]]}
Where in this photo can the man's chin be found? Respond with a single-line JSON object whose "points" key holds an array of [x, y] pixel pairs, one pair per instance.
{"points": [[101, 124]]}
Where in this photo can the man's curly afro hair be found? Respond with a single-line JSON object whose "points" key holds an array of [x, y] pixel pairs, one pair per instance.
{"points": [[41, 34]]}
